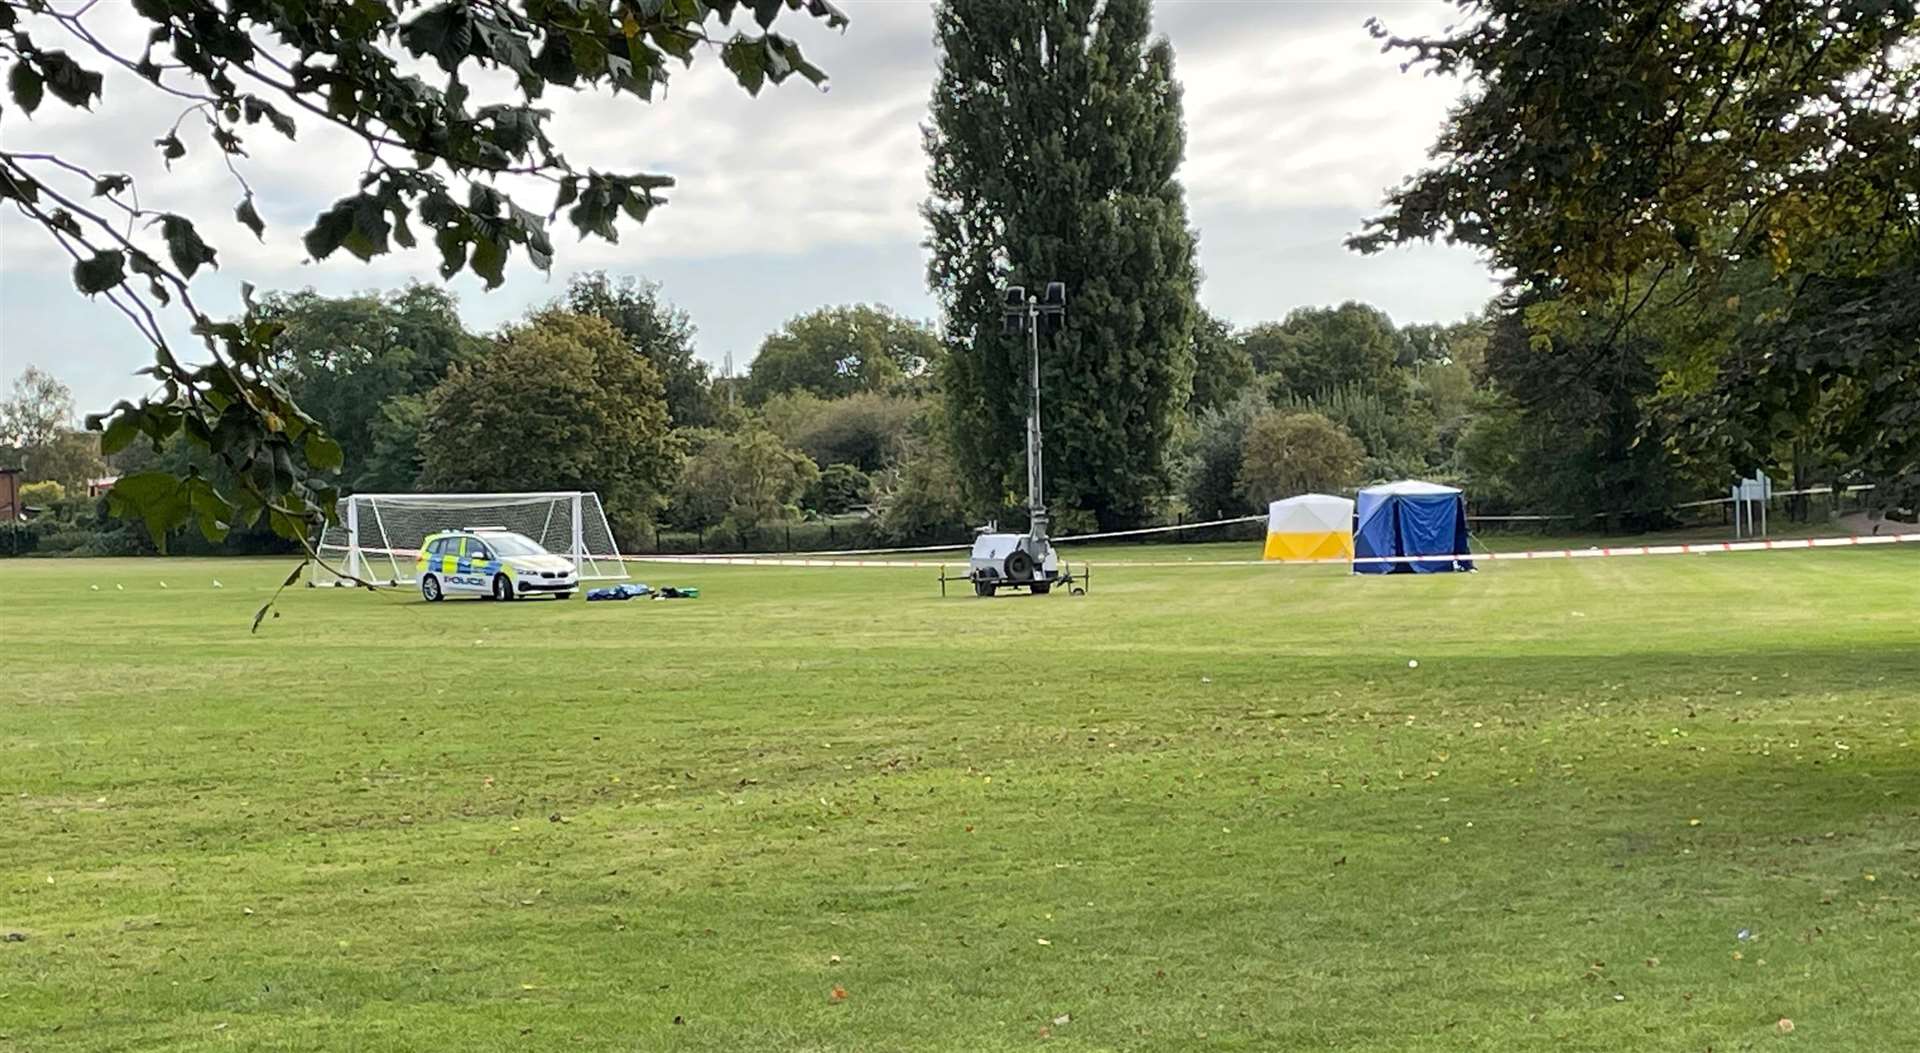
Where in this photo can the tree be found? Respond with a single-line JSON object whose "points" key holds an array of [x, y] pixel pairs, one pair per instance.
{"points": [[838, 351], [37, 411], [1055, 137], [435, 154], [657, 330], [1318, 349], [344, 359], [867, 430], [560, 403], [1629, 159], [839, 488], [1222, 368], [1296, 453], [920, 501], [397, 460], [744, 479], [1573, 429], [36, 430], [1210, 477]]}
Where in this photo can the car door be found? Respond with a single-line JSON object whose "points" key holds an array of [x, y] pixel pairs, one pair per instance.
{"points": [[475, 566]]}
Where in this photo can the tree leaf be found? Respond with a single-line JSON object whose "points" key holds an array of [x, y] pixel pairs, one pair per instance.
{"points": [[121, 430], [155, 498], [184, 246], [444, 32], [27, 86], [72, 83], [489, 259], [330, 229], [246, 214], [104, 270], [112, 183], [323, 454]]}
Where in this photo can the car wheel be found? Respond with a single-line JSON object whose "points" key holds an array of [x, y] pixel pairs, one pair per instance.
{"points": [[430, 589], [502, 588], [563, 595]]}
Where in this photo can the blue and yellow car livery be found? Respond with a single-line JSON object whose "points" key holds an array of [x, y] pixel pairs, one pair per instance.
{"points": [[490, 562]]}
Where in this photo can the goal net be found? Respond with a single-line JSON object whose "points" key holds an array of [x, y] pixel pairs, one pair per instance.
{"points": [[378, 536]]}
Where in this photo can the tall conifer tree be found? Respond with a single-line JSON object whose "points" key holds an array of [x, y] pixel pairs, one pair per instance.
{"points": [[1055, 137]]}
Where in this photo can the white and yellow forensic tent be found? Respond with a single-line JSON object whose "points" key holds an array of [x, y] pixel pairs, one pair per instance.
{"points": [[1310, 526]]}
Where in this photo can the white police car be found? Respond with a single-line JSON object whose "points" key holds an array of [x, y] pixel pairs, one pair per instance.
{"points": [[488, 561]]}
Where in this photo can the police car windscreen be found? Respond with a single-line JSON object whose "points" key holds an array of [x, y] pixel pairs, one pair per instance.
{"points": [[512, 545]]}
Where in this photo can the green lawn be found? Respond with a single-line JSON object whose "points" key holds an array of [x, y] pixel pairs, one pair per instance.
{"points": [[1199, 808]]}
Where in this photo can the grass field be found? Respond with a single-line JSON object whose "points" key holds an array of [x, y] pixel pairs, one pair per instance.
{"points": [[1199, 808]]}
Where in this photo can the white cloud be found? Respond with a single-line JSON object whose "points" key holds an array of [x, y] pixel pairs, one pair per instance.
{"points": [[1296, 123]]}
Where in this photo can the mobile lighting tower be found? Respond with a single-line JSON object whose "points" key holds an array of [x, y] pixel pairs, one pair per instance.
{"points": [[1001, 561]]}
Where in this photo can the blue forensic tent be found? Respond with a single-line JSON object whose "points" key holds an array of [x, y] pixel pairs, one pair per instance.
{"points": [[1410, 518]]}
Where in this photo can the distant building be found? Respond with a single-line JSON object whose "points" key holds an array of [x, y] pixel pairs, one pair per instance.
{"points": [[99, 487], [10, 507]]}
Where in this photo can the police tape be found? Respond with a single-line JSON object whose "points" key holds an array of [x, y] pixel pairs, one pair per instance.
{"points": [[834, 560], [1592, 552]]}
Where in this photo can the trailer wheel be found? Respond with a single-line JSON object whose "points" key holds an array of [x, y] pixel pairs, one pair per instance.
{"points": [[983, 588], [1041, 588], [1019, 565]]}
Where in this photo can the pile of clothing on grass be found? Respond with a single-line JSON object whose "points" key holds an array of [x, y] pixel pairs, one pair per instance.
{"points": [[639, 591]]}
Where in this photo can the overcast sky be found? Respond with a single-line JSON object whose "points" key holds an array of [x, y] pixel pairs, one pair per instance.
{"points": [[1296, 123]]}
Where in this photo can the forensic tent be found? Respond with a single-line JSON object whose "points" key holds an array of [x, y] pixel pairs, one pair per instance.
{"points": [[1410, 518], [1310, 526]]}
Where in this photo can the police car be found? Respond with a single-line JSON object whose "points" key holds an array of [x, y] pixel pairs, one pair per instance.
{"points": [[490, 561]]}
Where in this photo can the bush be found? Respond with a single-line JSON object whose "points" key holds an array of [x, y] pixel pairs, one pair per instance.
{"points": [[42, 494], [1296, 453], [839, 489], [921, 502]]}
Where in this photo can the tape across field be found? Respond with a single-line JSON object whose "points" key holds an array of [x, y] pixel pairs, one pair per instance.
{"points": [[1690, 549], [846, 559]]}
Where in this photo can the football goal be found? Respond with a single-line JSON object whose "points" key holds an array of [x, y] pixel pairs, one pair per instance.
{"points": [[379, 535]]}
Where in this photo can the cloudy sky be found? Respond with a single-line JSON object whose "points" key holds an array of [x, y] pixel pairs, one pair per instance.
{"points": [[1296, 124]]}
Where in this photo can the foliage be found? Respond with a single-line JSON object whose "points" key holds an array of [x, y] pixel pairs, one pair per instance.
{"points": [[866, 429], [1210, 475], [838, 351], [42, 493], [1318, 349], [1285, 454], [920, 502], [37, 411], [344, 359], [1397, 437], [657, 330], [1222, 368], [435, 155], [1055, 138], [36, 434], [560, 403], [69, 457], [1573, 429], [744, 479], [1648, 157], [840, 488], [397, 460]]}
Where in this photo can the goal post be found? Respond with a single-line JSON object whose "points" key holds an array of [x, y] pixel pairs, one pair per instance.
{"points": [[377, 536]]}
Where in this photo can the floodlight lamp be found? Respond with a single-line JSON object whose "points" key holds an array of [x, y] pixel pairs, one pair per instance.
{"points": [[1056, 294], [1016, 295]]}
